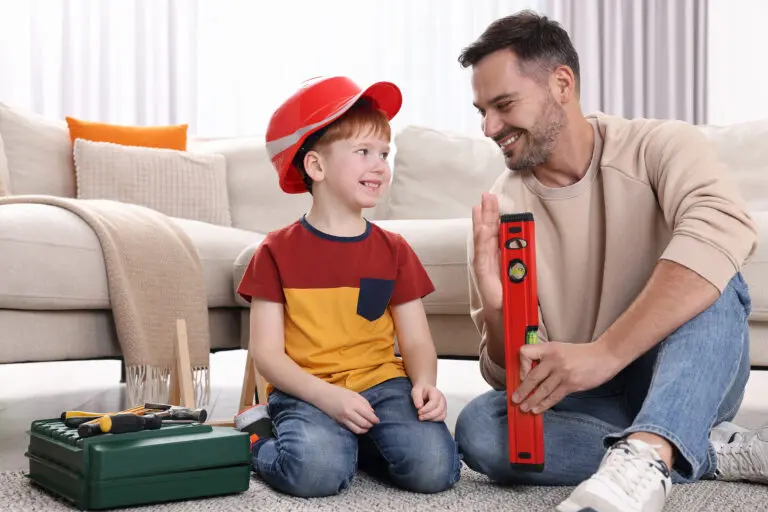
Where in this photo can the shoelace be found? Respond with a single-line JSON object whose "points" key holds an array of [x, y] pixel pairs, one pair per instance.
{"points": [[736, 459], [632, 472]]}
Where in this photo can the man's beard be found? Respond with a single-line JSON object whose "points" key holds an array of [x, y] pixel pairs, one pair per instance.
{"points": [[540, 140]]}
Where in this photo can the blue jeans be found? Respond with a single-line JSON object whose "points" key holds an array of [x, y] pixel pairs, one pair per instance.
{"points": [[690, 382], [313, 455]]}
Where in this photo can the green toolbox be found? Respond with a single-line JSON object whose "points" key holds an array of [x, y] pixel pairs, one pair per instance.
{"points": [[175, 462]]}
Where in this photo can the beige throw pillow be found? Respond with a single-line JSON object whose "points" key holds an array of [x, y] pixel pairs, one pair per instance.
{"points": [[177, 183]]}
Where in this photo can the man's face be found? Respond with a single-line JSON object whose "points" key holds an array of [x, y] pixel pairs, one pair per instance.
{"points": [[518, 112]]}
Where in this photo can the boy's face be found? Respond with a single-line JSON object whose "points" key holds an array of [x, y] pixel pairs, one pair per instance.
{"points": [[354, 171]]}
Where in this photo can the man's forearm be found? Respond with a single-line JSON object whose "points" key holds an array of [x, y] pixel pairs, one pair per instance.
{"points": [[673, 295], [494, 327]]}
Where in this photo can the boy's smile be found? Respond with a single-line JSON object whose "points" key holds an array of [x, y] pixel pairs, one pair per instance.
{"points": [[362, 159]]}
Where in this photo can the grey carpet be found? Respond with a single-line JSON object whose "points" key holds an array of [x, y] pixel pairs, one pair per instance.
{"points": [[473, 493]]}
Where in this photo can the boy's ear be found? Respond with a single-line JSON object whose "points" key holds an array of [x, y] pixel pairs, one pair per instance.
{"points": [[313, 165]]}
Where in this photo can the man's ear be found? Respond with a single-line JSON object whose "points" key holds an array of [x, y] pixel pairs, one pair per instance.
{"points": [[563, 83], [313, 166]]}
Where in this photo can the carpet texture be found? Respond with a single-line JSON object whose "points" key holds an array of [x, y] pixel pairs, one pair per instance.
{"points": [[473, 493]]}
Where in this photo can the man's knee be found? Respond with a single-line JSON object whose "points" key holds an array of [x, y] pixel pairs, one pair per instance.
{"points": [[481, 435]]}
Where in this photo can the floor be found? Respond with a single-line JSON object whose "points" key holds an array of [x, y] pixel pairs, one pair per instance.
{"points": [[43, 390]]}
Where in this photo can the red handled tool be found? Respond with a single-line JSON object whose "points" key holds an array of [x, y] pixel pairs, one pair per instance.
{"points": [[521, 319]]}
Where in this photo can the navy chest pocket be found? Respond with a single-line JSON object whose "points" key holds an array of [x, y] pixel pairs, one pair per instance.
{"points": [[374, 297]]}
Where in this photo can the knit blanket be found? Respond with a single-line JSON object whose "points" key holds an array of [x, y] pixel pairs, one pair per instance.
{"points": [[155, 277]]}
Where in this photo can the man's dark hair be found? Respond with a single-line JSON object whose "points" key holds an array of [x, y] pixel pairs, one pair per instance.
{"points": [[535, 39]]}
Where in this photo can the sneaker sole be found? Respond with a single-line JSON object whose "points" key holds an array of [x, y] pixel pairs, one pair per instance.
{"points": [[567, 506]]}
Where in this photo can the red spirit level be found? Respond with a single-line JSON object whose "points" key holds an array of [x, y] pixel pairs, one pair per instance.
{"points": [[521, 325]]}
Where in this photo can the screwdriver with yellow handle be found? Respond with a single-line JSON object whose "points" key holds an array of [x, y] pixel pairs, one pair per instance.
{"points": [[119, 424]]}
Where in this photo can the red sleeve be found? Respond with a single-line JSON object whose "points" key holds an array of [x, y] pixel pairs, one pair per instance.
{"points": [[412, 281], [262, 277]]}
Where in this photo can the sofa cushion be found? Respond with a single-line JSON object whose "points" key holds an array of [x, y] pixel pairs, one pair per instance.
{"points": [[157, 136], [176, 183], [743, 149], [256, 201], [38, 153], [756, 270], [60, 248], [441, 246], [441, 175]]}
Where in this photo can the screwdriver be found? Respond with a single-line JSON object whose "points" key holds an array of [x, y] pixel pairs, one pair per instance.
{"points": [[119, 424]]}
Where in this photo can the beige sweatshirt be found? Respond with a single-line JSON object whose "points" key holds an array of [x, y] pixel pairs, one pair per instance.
{"points": [[654, 190]]}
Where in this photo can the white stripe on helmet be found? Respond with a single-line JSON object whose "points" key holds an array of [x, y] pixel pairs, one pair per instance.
{"points": [[277, 146]]}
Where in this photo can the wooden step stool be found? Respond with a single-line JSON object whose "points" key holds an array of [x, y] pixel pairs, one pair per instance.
{"points": [[182, 392]]}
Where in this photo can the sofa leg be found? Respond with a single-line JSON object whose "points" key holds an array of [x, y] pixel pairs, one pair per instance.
{"points": [[122, 371]]}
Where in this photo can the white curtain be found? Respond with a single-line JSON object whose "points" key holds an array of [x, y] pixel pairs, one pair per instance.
{"points": [[737, 76], [223, 66], [640, 58]]}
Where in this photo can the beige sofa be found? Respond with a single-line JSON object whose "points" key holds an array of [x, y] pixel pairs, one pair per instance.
{"points": [[54, 302]]}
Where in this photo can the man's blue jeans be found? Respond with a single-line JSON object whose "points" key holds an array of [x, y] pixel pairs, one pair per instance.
{"points": [[313, 455], [690, 382]]}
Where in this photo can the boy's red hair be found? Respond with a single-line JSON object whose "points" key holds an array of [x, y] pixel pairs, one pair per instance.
{"points": [[359, 121]]}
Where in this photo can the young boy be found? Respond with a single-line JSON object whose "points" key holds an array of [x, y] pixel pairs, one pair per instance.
{"points": [[328, 295]]}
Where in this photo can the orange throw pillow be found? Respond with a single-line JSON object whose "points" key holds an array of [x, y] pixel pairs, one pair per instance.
{"points": [[167, 137]]}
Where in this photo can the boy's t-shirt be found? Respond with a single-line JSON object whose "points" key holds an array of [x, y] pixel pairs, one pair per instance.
{"points": [[337, 293]]}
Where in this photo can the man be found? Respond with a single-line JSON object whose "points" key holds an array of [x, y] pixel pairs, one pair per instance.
{"points": [[640, 241]]}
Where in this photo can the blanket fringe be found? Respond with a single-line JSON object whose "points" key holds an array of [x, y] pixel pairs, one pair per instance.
{"points": [[146, 383]]}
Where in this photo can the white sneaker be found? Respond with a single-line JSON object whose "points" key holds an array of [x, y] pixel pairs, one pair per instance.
{"points": [[631, 478], [742, 454]]}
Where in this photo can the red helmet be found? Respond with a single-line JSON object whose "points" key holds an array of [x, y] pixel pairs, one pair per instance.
{"points": [[315, 105]]}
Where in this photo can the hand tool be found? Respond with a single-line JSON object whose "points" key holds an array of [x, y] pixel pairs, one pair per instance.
{"points": [[521, 324], [182, 413], [82, 414], [119, 424]]}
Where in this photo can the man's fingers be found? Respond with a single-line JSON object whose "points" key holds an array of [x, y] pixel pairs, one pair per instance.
{"points": [[528, 354], [525, 366], [542, 392], [553, 398], [531, 382], [490, 208]]}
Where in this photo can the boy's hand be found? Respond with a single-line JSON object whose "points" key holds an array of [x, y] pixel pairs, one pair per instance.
{"points": [[350, 409], [429, 401]]}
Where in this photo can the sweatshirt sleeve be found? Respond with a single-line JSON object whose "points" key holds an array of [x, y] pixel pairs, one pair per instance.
{"points": [[492, 373], [712, 232]]}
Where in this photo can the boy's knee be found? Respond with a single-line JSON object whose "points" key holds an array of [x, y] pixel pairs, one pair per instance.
{"points": [[436, 468], [315, 476], [433, 474]]}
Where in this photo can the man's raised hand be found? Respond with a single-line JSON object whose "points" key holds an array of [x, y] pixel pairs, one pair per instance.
{"points": [[485, 231]]}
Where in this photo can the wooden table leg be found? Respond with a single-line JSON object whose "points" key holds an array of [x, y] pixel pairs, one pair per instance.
{"points": [[182, 392], [253, 385]]}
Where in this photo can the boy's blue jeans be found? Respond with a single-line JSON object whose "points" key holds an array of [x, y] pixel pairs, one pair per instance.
{"points": [[687, 384], [313, 455]]}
